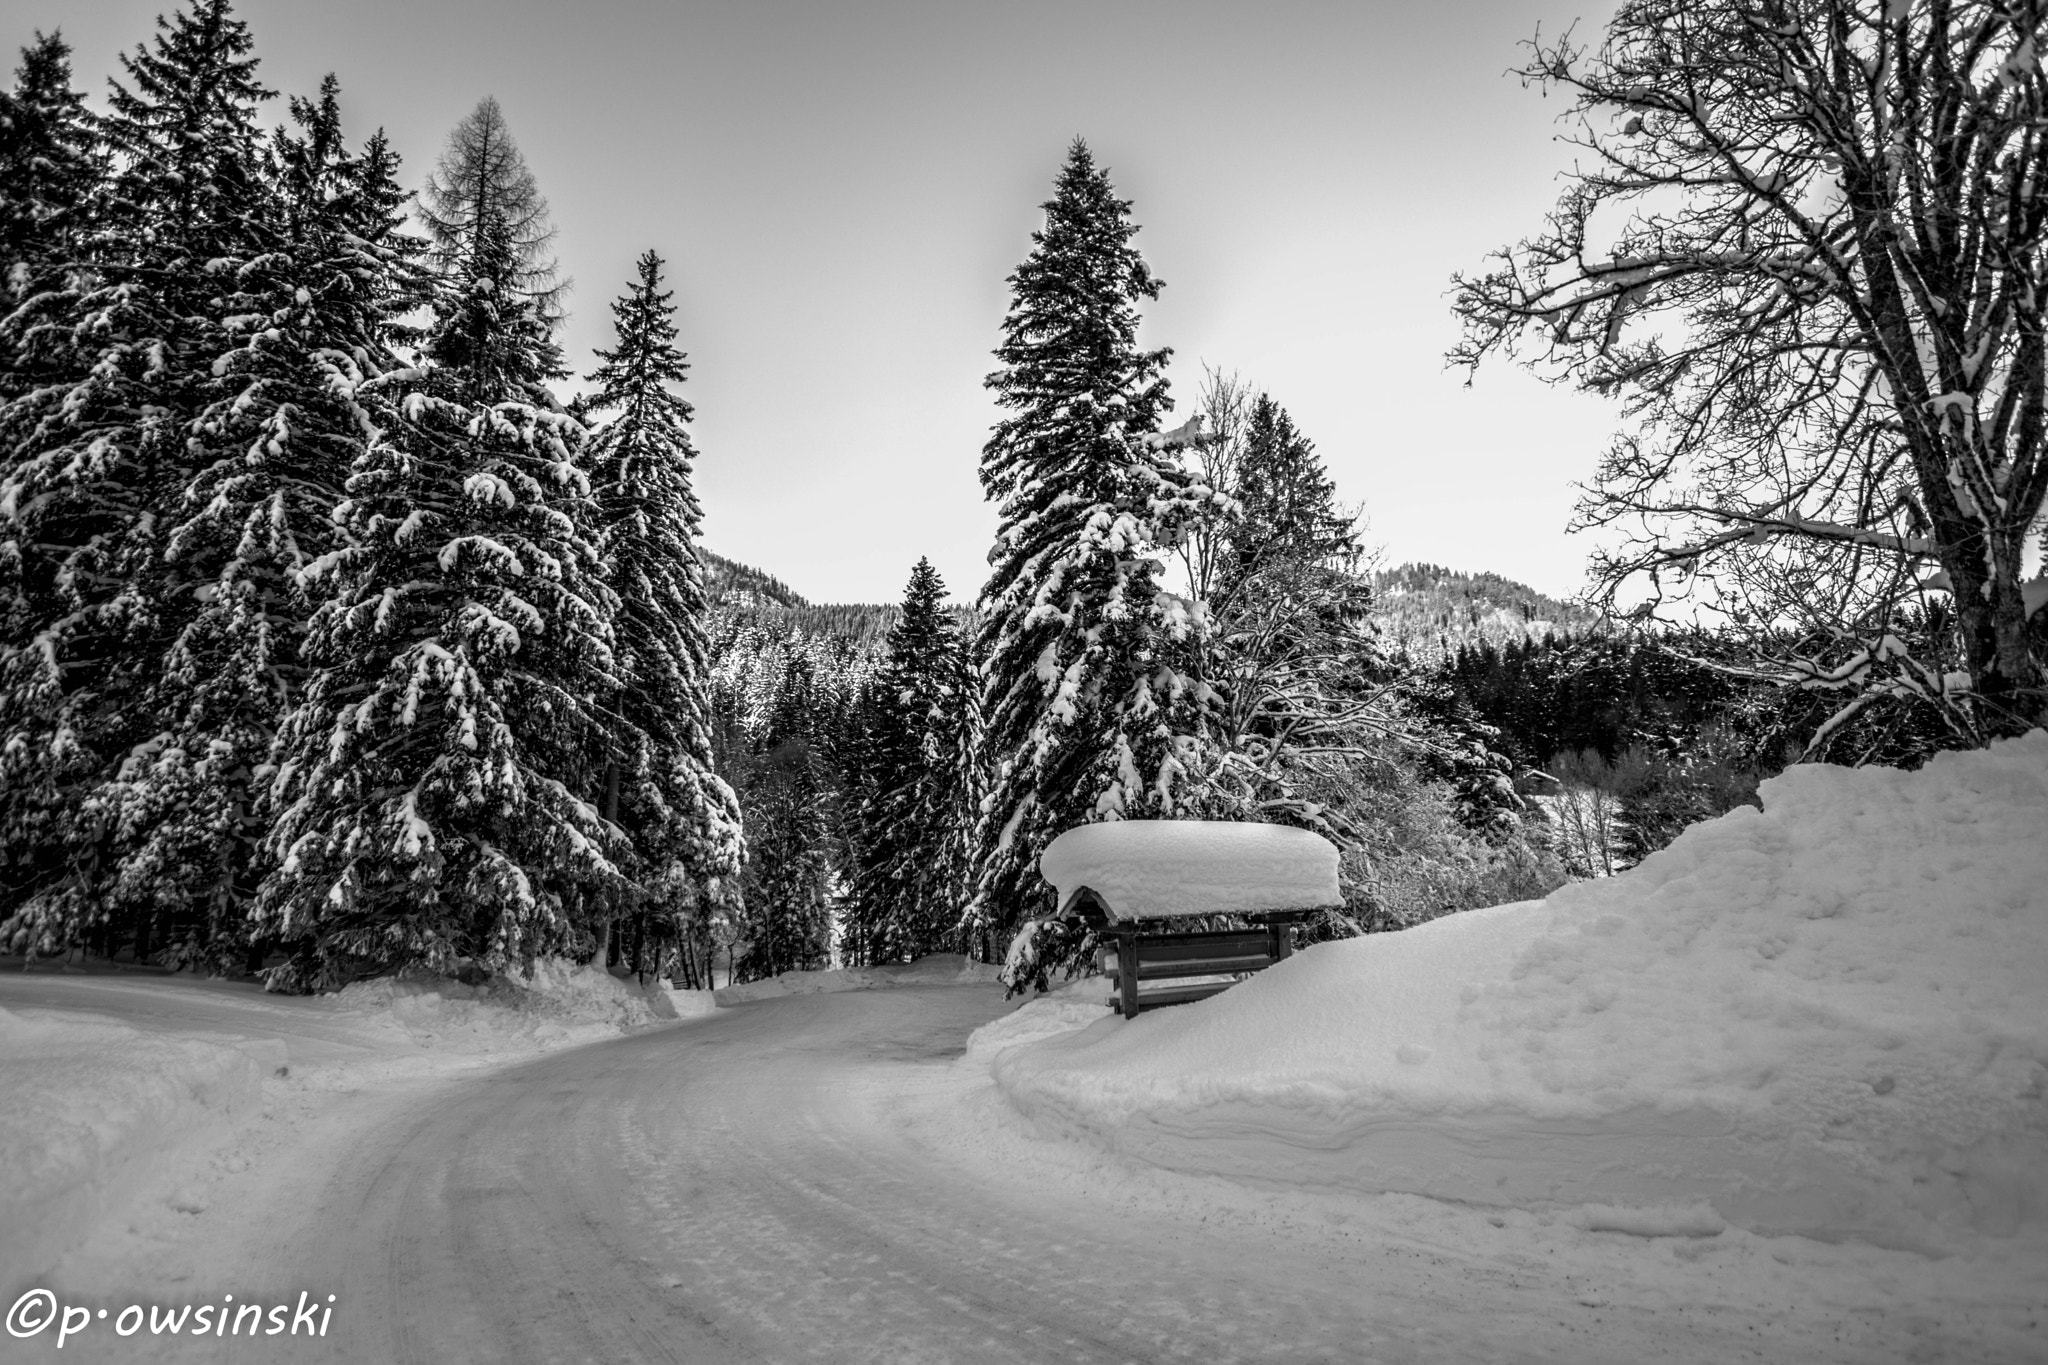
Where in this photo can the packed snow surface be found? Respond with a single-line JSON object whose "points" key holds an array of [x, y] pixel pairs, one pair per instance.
{"points": [[92, 1105], [97, 1110], [1144, 869], [826, 1178], [935, 969], [1828, 1017]]}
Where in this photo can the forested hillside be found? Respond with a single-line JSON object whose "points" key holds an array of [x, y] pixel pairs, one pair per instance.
{"points": [[1425, 611], [731, 584], [1430, 612]]}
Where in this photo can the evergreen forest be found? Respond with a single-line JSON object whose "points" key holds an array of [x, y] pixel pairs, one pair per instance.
{"points": [[346, 630]]}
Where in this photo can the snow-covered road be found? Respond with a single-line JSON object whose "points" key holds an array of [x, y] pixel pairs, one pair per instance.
{"points": [[816, 1178]]}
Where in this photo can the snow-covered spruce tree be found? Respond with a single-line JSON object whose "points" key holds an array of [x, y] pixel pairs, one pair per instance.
{"points": [[788, 796], [308, 317], [787, 922], [482, 174], [49, 173], [49, 166], [435, 783], [1091, 705], [912, 788], [120, 344], [682, 818]]}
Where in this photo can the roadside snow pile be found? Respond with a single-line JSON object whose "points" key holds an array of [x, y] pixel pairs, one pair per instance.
{"points": [[1143, 869], [935, 969], [1828, 1018], [561, 1003], [1075, 1005], [691, 1004], [93, 1107]]}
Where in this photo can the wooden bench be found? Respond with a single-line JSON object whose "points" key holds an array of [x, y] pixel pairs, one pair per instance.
{"points": [[1161, 871], [1166, 956]]}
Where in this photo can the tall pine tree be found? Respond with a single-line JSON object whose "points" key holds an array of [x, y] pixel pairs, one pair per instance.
{"points": [[912, 805], [49, 164], [1287, 520], [308, 322], [439, 778], [684, 821], [1092, 709], [100, 458]]}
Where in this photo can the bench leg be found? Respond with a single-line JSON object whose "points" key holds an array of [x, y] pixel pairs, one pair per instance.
{"points": [[1127, 974], [1283, 939]]}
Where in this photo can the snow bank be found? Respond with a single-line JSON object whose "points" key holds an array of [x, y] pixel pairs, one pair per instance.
{"points": [[94, 1107], [1076, 1005], [561, 1003], [1829, 1018], [935, 969], [692, 1004], [1143, 869]]}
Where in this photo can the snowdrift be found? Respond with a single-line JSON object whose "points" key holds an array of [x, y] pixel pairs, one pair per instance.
{"points": [[560, 1003], [93, 1108], [1827, 1018]]}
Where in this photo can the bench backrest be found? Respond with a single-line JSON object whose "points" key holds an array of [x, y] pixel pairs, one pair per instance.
{"points": [[1131, 955]]}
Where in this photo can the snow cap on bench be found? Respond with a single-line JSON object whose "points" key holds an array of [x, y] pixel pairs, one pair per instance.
{"points": [[1146, 869]]}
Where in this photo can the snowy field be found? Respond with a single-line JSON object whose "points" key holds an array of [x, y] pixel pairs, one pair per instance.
{"points": [[1776, 1095]]}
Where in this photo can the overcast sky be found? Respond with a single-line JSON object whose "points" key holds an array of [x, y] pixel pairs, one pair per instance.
{"points": [[841, 188]]}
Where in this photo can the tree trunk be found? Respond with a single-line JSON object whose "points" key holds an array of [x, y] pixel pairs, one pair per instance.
{"points": [[603, 956], [142, 924]]}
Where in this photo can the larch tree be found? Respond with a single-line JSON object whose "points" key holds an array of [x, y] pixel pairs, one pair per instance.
{"points": [[682, 818], [436, 782], [121, 343], [483, 174], [913, 788], [1092, 702], [1807, 249]]}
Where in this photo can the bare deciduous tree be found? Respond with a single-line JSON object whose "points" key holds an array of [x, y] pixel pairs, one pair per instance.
{"points": [[1300, 680], [481, 172], [1808, 250]]}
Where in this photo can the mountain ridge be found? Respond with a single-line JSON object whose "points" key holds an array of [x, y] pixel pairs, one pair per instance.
{"points": [[1426, 611]]}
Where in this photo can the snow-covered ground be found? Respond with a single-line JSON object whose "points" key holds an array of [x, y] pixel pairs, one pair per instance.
{"points": [[1775, 1095], [939, 969], [127, 1087], [1828, 1018], [830, 1177]]}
